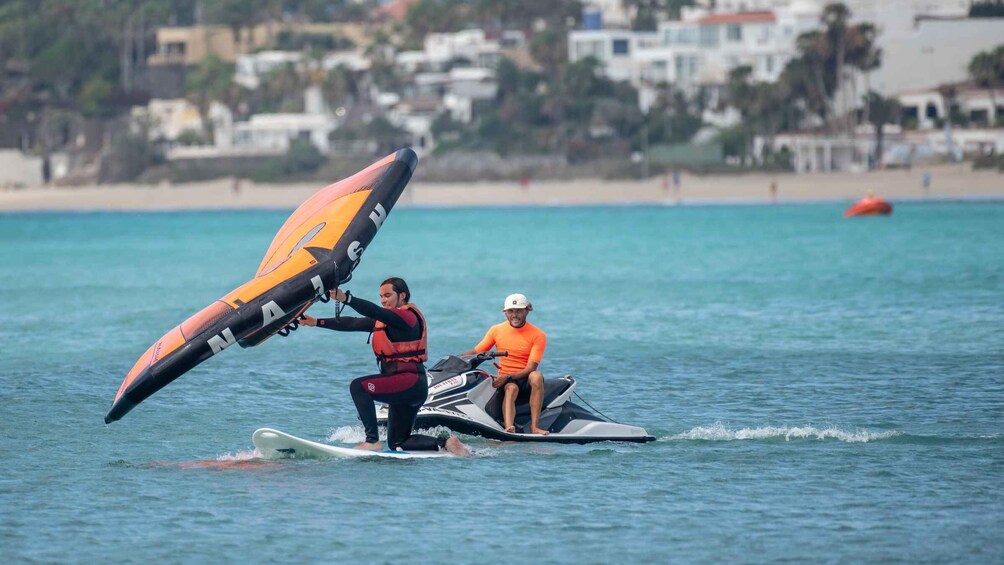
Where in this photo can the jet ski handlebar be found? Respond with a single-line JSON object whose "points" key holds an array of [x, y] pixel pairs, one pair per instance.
{"points": [[480, 358]]}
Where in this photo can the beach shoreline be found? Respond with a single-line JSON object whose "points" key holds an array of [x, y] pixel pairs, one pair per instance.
{"points": [[945, 182]]}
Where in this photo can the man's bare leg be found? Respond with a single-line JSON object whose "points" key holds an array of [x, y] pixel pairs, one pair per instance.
{"points": [[509, 407], [536, 402], [370, 446], [457, 447]]}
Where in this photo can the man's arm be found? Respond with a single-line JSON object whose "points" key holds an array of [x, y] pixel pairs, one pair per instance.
{"points": [[485, 344], [531, 366], [371, 310], [340, 324]]}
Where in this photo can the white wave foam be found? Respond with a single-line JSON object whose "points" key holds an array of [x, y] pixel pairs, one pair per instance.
{"points": [[348, 434], [719, 432], [356, 434], [239, 456]]}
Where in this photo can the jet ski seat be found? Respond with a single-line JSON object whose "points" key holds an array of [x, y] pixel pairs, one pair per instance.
{"points": [[553, 388]]}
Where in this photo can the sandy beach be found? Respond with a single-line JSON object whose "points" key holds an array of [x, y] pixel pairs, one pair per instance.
{"points": [[947, 182]]}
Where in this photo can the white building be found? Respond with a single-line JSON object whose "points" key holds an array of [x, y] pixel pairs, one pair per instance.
{"points": [[924, 43], [442, 49], [930, 52], [166, 120], [264, 134], [250, 68], [619, 50], [277, 131], [929, 106], [697, 51]]}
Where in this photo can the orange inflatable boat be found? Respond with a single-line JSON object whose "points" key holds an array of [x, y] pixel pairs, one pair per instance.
{"points": [[869, 206]]}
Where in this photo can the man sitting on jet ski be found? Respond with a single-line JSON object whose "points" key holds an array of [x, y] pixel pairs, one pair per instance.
{"points": [[525, 344]]}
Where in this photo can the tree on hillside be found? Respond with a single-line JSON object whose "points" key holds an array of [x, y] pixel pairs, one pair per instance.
{"points": [[987, 9], [432, 16], [881, 111], [672, 119], [211, 80], [523, 14], [863, 54], [821, 71], [986, 69], [812, 74], [238, 15]]}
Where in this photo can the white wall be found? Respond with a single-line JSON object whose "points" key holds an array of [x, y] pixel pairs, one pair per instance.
{"points": [[19, 170], [933, 53]]}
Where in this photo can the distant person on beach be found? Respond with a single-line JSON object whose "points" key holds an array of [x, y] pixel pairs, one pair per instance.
{"points": [[773, 191], [518, 375], [925, 180], [524, 182], [399, 336], [676, 181]]}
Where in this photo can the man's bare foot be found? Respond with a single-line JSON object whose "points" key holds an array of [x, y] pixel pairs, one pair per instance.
{"points": [[370, 446], [456, 447], [539, 431], [510, 429]]}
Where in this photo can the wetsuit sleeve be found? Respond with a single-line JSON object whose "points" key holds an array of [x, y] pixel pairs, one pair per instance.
{"points": [[486, 342], [538, 347], [385, 315], [346, 324]]}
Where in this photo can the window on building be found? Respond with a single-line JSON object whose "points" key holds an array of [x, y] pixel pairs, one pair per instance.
{"points": [[620, 47], [592, 48], [734, 32], [681, 36], [174, 48], [686, 68], [709, 36], [980, 116]]}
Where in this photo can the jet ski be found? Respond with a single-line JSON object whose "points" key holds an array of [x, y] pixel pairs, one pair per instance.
{"points": [[461, 398]]}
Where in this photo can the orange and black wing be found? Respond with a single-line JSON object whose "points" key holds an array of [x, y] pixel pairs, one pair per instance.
{"points": [[315, 250]]}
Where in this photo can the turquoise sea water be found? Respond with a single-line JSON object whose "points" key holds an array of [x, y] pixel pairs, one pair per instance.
{"points": [[823, 391]]}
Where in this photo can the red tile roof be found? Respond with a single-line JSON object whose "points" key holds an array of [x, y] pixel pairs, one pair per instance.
{"points": [[738, 18]]}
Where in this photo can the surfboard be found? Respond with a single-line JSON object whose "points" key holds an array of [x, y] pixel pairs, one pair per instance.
{"points": [[273, 444]]}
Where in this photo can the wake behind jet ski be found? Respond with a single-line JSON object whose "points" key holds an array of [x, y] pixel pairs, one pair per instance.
{"points": [[461, 398]]}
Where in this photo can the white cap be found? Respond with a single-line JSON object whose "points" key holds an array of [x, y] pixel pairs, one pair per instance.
{"points": [[514, 301]]}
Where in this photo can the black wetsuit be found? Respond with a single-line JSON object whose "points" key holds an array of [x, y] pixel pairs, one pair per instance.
{"points": [[403, 386]]}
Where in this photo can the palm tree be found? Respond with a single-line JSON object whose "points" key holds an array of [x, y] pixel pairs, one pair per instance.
{"points": [[211, 80], [880, 111], [985, 69], [835, 17], [814, 72], [741, 96], [237, 15], [863, 54]]}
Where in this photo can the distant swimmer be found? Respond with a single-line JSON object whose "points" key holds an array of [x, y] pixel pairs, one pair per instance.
{"points": [[525, 344], [399, 337]]}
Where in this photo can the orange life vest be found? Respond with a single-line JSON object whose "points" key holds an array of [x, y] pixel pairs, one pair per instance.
{"points": [[400, 351]]}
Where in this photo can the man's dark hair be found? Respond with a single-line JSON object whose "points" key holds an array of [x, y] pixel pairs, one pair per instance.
{"points": [[399, 286]]}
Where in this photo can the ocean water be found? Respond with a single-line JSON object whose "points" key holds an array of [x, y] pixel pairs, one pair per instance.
{"points": [[823, 391]]}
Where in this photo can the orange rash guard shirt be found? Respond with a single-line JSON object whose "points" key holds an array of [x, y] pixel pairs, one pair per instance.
{"points": [[524, 344]]}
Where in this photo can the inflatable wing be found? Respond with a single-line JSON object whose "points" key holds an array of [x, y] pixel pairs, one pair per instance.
{"points": [[314, 252]]}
